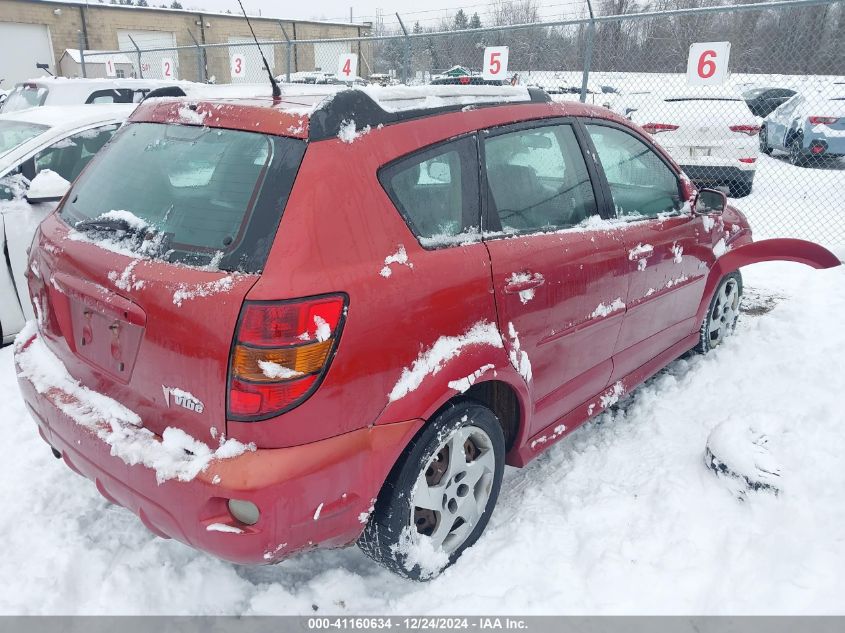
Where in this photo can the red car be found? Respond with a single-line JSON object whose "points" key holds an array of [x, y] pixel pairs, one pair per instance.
{"points": [[269, 326]]}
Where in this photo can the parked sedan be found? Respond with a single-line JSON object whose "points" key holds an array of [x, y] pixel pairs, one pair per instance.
{"points": [[709, 132], [808, 127], [41, 151]]}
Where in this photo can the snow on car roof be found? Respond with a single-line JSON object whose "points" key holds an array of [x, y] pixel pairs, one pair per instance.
{"points": [[71, 116], [118, 58]]}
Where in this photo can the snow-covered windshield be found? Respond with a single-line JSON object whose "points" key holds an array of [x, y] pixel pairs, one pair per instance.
{"points": [[13, 133], [23, 97], [190, 194]]}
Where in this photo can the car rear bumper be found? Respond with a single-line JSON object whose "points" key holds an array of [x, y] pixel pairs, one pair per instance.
{"points": [[832, 145], [719, 175], [314, 495]]}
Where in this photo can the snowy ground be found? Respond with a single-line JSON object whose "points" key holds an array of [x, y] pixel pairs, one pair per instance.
{"points": [[621, 518]]}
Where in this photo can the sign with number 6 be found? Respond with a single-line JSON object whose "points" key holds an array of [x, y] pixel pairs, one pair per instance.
{"points": [[167, 70], [347, 67], [708, 63], [237, 66], [495, 63]]}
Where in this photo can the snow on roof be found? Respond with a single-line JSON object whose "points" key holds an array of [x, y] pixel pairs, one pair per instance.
{"points": [[100, 58], [72, 116], [399, 98]]}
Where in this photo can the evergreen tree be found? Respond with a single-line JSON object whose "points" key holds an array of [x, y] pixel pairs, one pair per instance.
{"points": [[461, 21], [475, 21]]}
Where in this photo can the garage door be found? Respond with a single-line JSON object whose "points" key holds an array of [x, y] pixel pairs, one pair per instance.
{"points": [[31, 44], [151, 63], [327, 54]]}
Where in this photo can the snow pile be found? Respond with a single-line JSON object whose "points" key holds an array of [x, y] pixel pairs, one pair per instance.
{"points": [[739, 449], [559, 430], [186, 292], [463, 384], [189, 115], [126, 280], [417, 550], [47, 184], [678, 253], [520, 278], [719, 248], [639, 250], [444, 349], [276, 371], [223, 527], [603, 310], [348, 132], [176, 456], [518, 356], [132, 221], [399, 257]]}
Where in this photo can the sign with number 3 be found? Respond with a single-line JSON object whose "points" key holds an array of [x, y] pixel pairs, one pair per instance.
{"points": [[708, 63], [495, 63], [237, 66]]}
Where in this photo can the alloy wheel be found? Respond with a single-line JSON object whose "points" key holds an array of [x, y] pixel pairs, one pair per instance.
{"points": [[724, 313]]}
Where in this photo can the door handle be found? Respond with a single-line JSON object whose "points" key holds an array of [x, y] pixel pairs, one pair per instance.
{"points": [[514, 287]]}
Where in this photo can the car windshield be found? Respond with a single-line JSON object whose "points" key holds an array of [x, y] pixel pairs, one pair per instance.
{"points": [[193, 195], [13, 133], [23, 97]]}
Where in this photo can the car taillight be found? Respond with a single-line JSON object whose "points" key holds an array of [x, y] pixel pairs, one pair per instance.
{"points": [[826, 120], [750, 130], [281, 352], [657, 128], [747, 160]]}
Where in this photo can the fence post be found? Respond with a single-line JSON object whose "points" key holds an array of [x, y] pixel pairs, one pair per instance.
{"points": [[406, 63], [588, 54], [138, 51], [289, 49], [82, 53], [201, 72]]}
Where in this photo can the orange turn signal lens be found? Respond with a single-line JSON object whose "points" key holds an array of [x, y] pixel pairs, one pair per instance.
{"points": [[275, 365]]}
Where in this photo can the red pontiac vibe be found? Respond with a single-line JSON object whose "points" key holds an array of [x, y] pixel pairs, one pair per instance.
{"points": [[268, 326]]}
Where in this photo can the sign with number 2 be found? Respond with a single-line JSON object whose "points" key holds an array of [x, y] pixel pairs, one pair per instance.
{"points": [[708, 63], [495, 63]]}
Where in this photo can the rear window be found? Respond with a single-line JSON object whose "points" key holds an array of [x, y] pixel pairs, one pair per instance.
{"points": [[13, 133], [23, 97], [193, 195]]}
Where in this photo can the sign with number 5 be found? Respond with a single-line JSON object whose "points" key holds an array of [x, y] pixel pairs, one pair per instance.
{"points": [[708, 63], [495, 63], [237, 66]]}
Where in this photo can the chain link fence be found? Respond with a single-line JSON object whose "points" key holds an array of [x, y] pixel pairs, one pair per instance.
{"points": [[772, 135]]}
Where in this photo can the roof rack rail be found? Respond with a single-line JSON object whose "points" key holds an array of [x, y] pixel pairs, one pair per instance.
{"points": [[359, 107]]}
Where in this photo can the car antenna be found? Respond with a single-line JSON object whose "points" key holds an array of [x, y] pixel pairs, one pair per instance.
{"points": [[277, 92]]}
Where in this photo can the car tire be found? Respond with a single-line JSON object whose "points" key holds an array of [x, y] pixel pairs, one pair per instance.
{"points": [[413, 541], [796, 154], [722, 313], [740, 188], [764, 142]]}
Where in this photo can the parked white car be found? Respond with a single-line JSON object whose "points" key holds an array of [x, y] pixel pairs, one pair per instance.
{"points": [[41, 151], [53, 91], [710, 132]]}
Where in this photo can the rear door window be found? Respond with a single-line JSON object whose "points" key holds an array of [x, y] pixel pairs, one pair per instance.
{"points": [[198, 195], [537, 180], [69, 156], [436, 191], [641, 184]]}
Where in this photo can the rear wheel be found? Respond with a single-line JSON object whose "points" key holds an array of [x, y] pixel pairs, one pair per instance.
{"points": [[796, 154], [722, 314], [764, 141], [439, 497]]}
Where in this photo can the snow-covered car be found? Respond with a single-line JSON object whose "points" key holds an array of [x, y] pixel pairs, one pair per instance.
{"points": [[709, 132], [808, 126], [54, 91], [41, 151]]}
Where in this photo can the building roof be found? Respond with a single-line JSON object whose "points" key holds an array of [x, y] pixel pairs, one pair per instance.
{"points": [[100, 58]]}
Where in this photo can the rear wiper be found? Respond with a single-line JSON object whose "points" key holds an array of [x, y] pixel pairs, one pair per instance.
{"points": [[111, 224]]}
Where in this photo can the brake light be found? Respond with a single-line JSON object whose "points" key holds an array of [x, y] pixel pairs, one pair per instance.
{"points": [[825, 120], [282, 350], [750, 130], [464, 81], [747, 160], [657, 128]]}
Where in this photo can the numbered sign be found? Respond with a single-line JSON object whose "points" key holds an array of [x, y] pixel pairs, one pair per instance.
{"points": [[708, 63], [111, 71], [347, 67], [495, 62], [168, 71], [237, 66]]}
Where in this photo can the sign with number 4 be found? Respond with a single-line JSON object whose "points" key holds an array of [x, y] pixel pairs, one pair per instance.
{"points": [[237, 66], [347, 67], [167, 68], [708, 63], [495, 63]]}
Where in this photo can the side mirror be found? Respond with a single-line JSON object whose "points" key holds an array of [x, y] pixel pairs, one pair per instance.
{"points": [[47, 186], [710, 201]]}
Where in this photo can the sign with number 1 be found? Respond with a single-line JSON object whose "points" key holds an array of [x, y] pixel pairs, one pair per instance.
{"points": [[495, 63], [111, 71], [708, 63]]}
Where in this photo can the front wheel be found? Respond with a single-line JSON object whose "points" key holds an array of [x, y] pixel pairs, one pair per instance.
{"points": [[439, 497], [722, 314]]}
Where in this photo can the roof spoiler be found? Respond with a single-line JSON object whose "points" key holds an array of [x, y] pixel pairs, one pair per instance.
{"points": [[167, 91], [359, 107]]}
